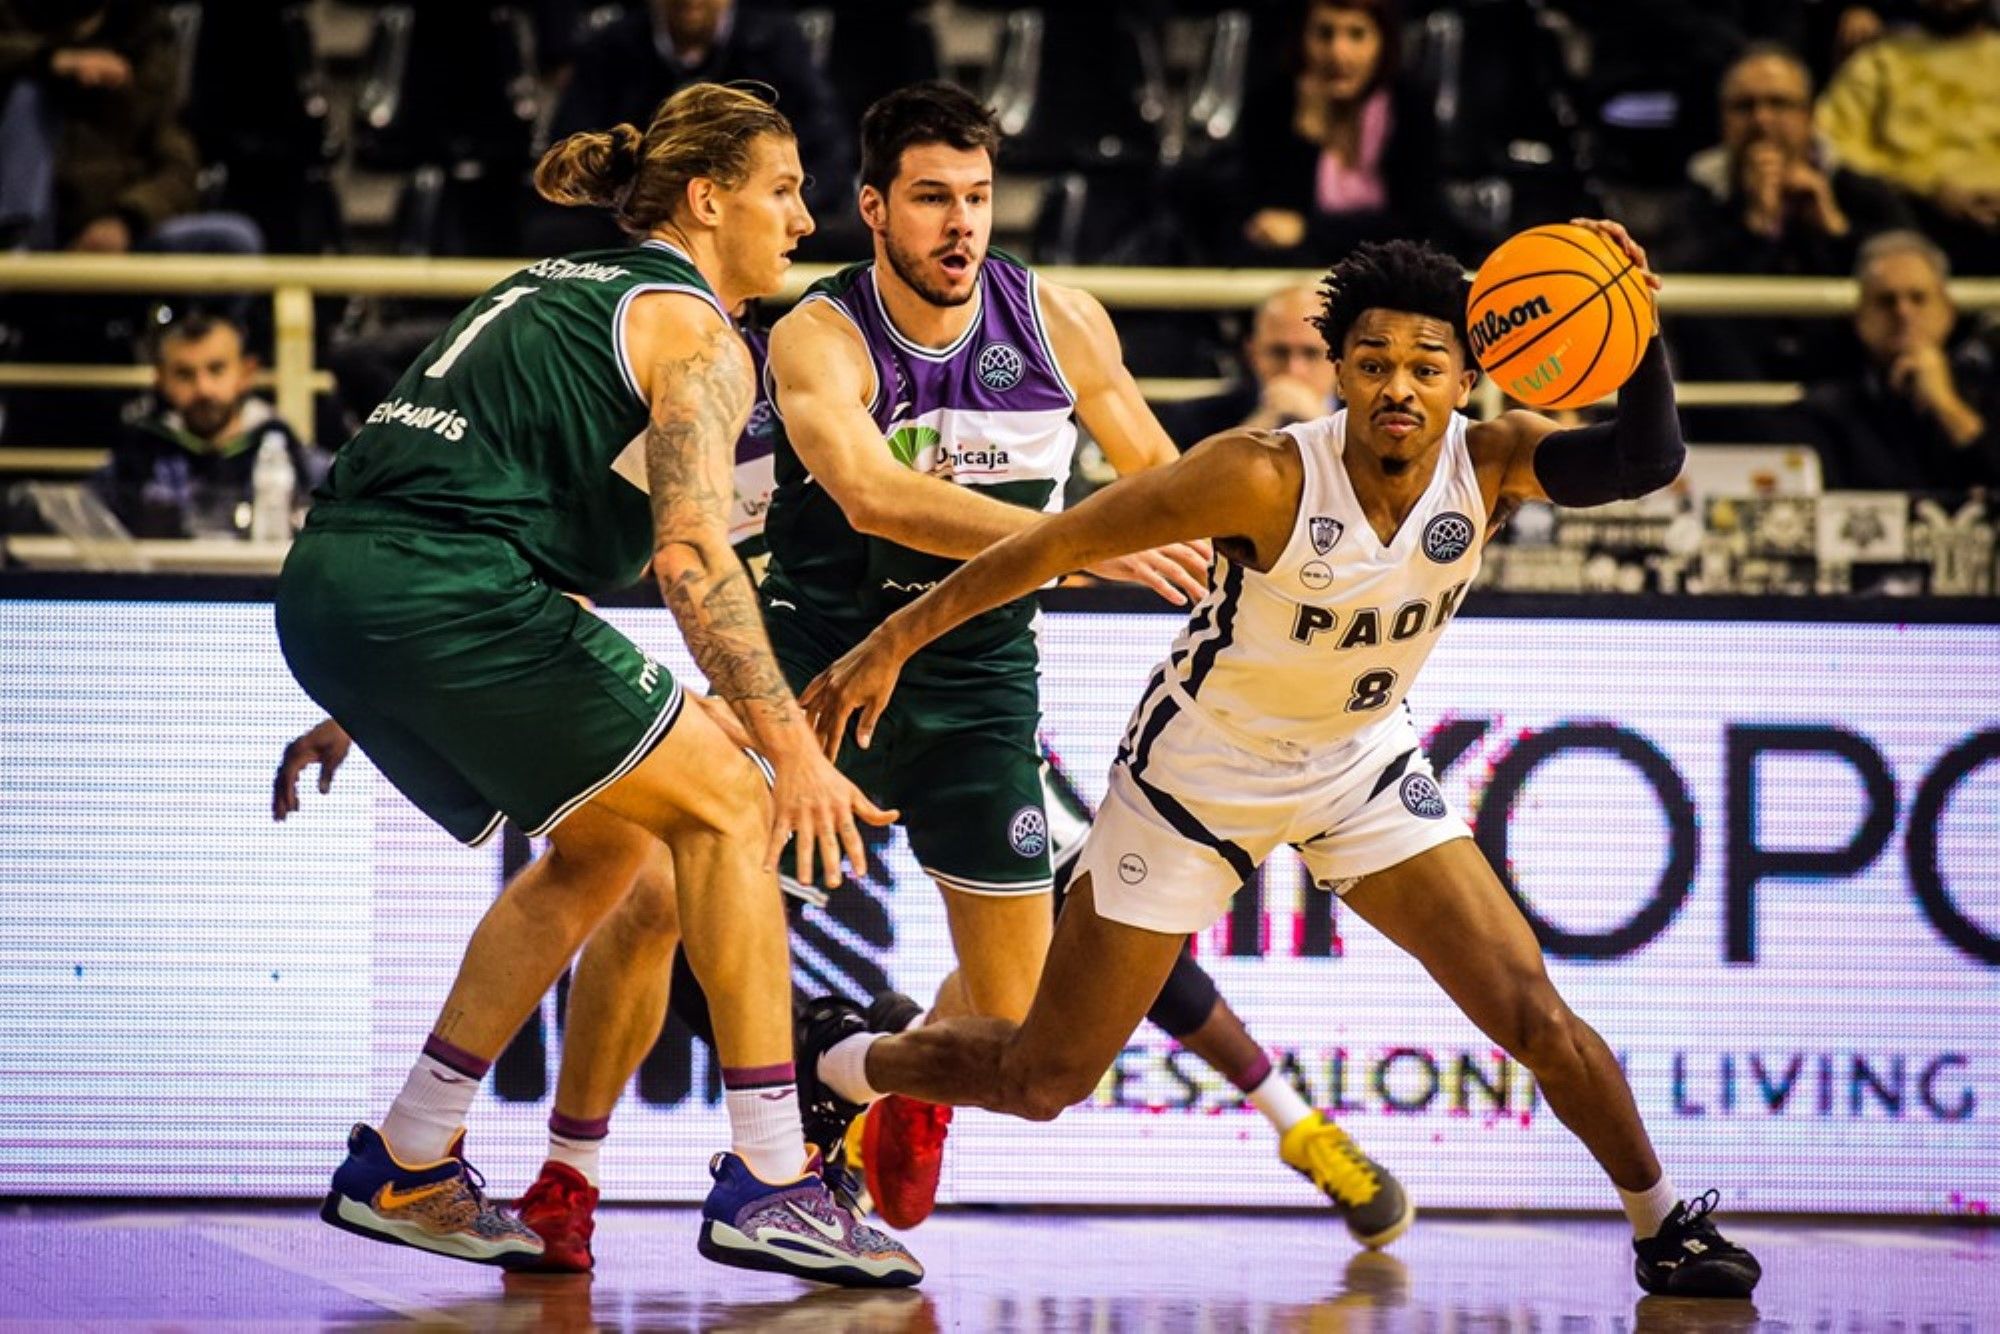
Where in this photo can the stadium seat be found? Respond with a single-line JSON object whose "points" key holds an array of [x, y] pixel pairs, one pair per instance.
{"points": [[451, 85], [258, 108], [1511, 144]]}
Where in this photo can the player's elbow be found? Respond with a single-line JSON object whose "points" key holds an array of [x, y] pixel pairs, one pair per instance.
{"points": [[866, 514], [860, 494], [1658, 470], [875, 507]]}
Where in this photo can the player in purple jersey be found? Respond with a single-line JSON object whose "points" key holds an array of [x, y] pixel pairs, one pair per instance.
{"points": [[930, 400]]}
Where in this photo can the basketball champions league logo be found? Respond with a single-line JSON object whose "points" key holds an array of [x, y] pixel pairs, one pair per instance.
{"points": [[1028, 832], [1000, 367], [1447, 537]]}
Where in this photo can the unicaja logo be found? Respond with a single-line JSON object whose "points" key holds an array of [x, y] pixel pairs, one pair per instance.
{"points": [[1495, 325]]}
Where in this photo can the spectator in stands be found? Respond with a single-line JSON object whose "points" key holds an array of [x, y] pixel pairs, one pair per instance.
{"points": [[1923, 415], [95, 156], [1289, 376], [181, 467], [1769, 199], [1920, 109], [1341, 151], [630, 65]]}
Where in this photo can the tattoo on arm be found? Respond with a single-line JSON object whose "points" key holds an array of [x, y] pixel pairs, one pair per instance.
{"points": [[700, 403]]}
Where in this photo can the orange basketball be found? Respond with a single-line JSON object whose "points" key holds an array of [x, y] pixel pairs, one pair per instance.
{"points": [[1558, 316]]}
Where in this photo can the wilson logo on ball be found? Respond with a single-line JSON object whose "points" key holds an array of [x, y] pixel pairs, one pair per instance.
{"points": [[1495, 325]]}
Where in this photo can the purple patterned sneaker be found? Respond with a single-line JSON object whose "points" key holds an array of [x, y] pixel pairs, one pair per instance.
{"points": [[438, 1206], [796, 1228]]}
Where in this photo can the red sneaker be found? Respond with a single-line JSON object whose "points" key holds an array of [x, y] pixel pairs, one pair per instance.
{"points": [[558, 1208], [902, 1153]]}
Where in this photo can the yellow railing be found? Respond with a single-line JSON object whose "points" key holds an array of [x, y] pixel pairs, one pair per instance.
{"points": [[293, 282]]}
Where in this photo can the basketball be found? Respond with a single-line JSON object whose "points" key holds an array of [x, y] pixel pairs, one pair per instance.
{"points": [[1559, 316]]}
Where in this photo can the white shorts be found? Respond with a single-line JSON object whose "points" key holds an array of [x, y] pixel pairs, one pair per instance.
{"points": [[1192, 811]]}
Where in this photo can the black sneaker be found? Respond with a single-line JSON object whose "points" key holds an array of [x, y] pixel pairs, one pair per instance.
{"points": [[891, 1012], [1689, 1258], [821, 1023]]}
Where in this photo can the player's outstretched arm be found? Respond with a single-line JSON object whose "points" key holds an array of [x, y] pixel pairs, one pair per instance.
{"points": [[821, 382], [1228, 486], [700, 383]]}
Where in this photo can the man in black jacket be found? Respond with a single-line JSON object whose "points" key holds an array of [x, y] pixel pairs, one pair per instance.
{"points": [[182, 464], [1923, 415], [1770, 199], [629, 66], [1290, 377]]}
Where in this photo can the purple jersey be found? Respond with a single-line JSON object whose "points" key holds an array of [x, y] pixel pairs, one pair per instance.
{"points": [[990, 411]]}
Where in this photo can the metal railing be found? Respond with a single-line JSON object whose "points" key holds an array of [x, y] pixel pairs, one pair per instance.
{"points": [[292, 283]]}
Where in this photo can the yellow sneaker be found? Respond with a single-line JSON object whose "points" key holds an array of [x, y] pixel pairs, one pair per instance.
{"points": [[1362, 1190]]}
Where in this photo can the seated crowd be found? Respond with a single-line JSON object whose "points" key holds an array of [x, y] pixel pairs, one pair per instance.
{"points": [[1790, 139]]}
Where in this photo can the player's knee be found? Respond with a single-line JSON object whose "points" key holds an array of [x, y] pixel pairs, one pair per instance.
{"points": [[737, 803], [651, 911], [1545, 1031], [1187, 999], [1039, 1101], [1042, 1090]]}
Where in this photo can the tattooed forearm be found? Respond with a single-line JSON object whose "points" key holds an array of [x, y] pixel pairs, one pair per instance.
{"points": [[719, 619], [700, 403]]}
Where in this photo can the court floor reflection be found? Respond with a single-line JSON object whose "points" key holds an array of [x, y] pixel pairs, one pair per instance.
{"points": [[279, 1268]]}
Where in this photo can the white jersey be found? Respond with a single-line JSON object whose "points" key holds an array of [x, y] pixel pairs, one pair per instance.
{"points": [[1324, 645]]}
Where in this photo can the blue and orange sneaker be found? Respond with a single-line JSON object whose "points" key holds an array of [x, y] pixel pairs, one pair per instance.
{"points": [[440, 1206], [796, 1228]]}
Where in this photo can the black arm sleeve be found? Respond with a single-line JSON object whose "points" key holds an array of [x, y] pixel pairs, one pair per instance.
{"points": [[1634, 454]]}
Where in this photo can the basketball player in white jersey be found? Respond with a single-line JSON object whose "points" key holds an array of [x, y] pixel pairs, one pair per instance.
{"points": [[1343, 547]]}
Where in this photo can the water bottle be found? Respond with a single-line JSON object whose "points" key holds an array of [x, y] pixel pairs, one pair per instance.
{"points": [[272, 480]]}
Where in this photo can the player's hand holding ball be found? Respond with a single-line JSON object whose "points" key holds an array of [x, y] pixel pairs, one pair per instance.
{"points": [[1560, 315]]}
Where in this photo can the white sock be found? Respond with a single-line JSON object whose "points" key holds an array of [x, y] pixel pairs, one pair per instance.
{"points": [[580, 1154], [1280, 1102], [764, 1131], [844, 1067], [1649, 1208], [427, 1114]]}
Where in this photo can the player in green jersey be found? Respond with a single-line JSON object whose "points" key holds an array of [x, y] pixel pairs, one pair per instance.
{"points": [[577, 420]]}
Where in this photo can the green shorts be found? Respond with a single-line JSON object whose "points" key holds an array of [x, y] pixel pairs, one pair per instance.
{"points": [[477, 689], [955, 752]]}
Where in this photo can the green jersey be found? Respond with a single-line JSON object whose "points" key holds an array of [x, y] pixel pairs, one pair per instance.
{"points": [[524, 419], [991, 412]]}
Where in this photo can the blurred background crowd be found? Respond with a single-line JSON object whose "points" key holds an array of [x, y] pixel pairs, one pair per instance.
{"points": [[1736, 137]]}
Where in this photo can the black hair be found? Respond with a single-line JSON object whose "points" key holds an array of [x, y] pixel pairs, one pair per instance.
{"points": [[1405, 276], [932, 112], [192, 328]]}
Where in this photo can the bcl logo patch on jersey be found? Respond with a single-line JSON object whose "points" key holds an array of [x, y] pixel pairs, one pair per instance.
{"points": [[1421, 797], [1324, 531], [1028, 832], [1000, 367], [1447, 537]]}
